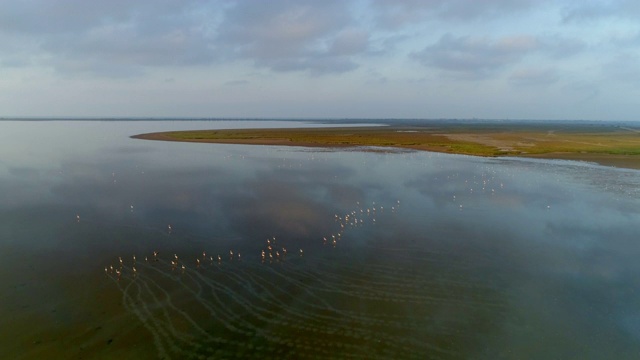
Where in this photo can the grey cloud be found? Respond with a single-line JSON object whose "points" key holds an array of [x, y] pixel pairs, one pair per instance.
{"points": [[236, 83], [623, 67], [124, 38], [54, 17], [395, 13], [314, 64], [287, 35], [478, 57], [560, 47], [475, 57], [111, 38], [350, 42], [278, 28], [129, 47], [534, 77], [594, 10], [16, 51]]}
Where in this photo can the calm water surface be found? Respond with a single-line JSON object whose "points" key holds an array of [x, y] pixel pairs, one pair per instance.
{"points": [[366, 254]]}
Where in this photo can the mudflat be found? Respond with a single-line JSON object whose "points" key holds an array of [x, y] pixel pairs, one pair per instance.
{"points": [[606, 144]]}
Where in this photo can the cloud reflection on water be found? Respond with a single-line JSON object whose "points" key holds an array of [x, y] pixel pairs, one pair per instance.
{"points": [[490, 257]]}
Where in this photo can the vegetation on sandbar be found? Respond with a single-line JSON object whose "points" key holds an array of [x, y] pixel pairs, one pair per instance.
{"points": [[481, 140]]}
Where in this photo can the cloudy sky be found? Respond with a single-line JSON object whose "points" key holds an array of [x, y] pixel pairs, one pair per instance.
{"points": [[499, 59]]}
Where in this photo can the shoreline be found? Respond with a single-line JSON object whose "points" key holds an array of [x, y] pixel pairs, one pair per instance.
{"points": [[618, 161], [604, 146]]}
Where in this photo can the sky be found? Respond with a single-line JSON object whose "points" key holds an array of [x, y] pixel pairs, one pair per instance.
{"points": [[485, 59]]}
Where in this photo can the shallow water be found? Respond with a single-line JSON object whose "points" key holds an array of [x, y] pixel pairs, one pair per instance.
{"points": [[442, 256]]}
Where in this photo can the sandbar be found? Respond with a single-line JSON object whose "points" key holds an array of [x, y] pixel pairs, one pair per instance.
{"points": [[605, 144]]}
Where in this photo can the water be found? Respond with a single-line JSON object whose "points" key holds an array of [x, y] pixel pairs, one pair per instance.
{"points": [[441, 256]]}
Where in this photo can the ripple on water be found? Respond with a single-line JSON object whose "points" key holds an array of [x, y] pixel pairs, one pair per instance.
{"points": [[378, 300]]}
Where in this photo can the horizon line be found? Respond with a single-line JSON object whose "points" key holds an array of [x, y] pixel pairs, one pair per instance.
{"points": [[230, 118]]}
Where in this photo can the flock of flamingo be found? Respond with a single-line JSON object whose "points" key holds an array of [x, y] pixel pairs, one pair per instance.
{"points": [[283, 303], [270, 253]]}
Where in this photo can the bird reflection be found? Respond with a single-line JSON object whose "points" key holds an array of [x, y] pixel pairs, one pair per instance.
{"points": [[230, 304]]}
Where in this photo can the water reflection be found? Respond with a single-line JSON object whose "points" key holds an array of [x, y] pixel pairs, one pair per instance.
{"points": [[480, 258], [284, 303]]}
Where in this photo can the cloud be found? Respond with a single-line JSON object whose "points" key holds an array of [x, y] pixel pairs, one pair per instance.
{"points": [[125, 38], [111, 38], [337, 43], [623, 67], [41, 17], [579, 11], [479, 57], [475, 57], [349, 42], [236, 83], [397, 13], [287, 35], [557, 46], [534, 77]]}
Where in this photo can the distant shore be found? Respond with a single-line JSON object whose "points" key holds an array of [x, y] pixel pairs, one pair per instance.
{"points": [[605, 144]]}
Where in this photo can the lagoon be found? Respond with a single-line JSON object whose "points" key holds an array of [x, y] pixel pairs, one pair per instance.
{"points": [[405, 254]]}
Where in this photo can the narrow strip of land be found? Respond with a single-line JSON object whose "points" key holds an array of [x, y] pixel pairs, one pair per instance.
{"points": [[606, 144]]}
